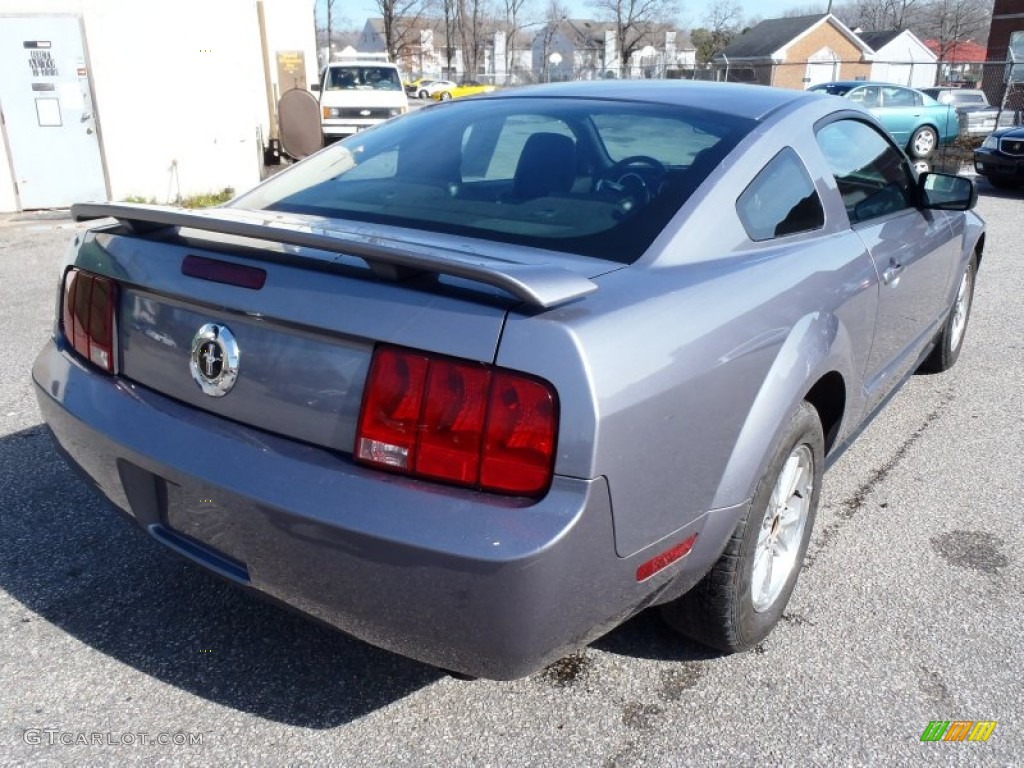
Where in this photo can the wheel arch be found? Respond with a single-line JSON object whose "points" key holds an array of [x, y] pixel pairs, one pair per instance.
{"points": [[979, 248], [828, 396], [814, 364]]}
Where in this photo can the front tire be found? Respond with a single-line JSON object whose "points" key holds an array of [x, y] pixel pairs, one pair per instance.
{"points": [[738, 603], [445, 96], [923, 142], [951, 338]]}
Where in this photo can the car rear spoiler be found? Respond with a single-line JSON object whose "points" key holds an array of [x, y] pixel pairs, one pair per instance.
{"points": [[539, 285]]}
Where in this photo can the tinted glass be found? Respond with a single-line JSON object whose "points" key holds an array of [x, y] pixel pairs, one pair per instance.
{"points": [[368, 78], [781, 200], [540, 172], [675, 142], [834, 89], [900, 97], [867, 96], [969, 97], [874, 177]]}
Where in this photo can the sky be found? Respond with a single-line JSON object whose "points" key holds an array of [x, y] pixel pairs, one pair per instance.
{"points": [[354, 13]]}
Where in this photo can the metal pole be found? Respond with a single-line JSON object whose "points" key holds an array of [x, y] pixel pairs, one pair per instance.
{"points": [[329, 4]]}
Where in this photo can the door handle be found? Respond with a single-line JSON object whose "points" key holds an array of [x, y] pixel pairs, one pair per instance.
{"points": [[892, 275]]}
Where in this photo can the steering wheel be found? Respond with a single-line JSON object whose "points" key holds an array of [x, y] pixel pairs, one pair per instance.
{"points": [[633, 176]]}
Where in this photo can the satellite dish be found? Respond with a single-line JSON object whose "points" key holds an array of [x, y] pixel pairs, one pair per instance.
{"points": [[298, 114]]}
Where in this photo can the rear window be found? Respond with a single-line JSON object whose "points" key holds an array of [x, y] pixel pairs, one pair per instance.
{"points": [[590, 177], [969, 98], [362, 78], [833, 89]]}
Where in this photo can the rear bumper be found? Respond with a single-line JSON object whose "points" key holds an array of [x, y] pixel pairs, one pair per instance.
{"points": [[483, 585]]}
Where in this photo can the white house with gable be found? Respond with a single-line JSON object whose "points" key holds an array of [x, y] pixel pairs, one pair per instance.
{"points": [[901, 58]]}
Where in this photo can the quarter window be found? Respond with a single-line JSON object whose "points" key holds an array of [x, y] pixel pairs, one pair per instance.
{"points": [[873, 177], [781, 200]]}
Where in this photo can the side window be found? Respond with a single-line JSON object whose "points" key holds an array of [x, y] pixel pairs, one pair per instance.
{"points": [[867, 96], [873, 177], [781, 200], [901, 97]]}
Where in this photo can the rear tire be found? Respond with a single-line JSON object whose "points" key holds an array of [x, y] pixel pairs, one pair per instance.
{"points": [[738, 603], [445, 96], [923, 142], [951, 338]]}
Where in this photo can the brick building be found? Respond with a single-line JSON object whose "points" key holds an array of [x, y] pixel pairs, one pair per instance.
{"points": [[795, 52], [1006, 47]]}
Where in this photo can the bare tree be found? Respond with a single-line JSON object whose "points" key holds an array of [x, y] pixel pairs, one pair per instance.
{"points": [[403, 20], [878, 15], [324, 34], [633, 20], [555, 15], [807, 10], [721, 25], [513, 17], [949, 22], [472, 17], [451, 26]]}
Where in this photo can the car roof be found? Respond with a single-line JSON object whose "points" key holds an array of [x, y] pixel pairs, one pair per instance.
{"points": [[750, 101], [856, 83], [363, 63]]}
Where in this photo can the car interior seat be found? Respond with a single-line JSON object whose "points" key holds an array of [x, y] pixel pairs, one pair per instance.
{"points": [[547, 166]]}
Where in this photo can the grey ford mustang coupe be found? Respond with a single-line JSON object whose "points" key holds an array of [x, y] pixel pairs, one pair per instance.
{"points": [[479, 384]]}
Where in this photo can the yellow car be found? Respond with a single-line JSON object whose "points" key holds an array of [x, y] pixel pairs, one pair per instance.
{"points": [[468, 88], [418, 88]]}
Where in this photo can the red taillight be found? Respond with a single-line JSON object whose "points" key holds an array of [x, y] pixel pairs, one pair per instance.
{"points": [[461, 422], [452, 422], [391, 409], [520, 440], [88, 316]]}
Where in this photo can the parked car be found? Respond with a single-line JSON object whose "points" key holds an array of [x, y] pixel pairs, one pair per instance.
{"points": [[1000, 158], [466, 88], [436, 86], [478, 385], [916, 121], [418, 87], [976, 116]]}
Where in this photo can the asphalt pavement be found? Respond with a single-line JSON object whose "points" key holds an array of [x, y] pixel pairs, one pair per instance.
{"points": [[116, 652]]}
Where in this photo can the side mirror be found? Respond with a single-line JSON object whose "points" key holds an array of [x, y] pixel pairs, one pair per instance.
{"points": [[946, 192], [315, 87]]}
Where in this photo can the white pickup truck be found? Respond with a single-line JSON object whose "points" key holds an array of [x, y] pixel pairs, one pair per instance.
{"points": [[977, 117], [358, 94]]}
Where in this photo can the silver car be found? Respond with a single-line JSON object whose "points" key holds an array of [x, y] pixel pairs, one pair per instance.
{"points": [[481, 383]]}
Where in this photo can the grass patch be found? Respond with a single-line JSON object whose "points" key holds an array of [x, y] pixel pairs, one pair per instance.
{"points": [[208, 199], [205, 200]]}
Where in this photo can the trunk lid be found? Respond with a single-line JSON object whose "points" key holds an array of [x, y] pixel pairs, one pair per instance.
{"points": [[305, 338]]}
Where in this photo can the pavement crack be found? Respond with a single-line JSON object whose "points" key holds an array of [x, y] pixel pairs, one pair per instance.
{"points": [[849, 508]]}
